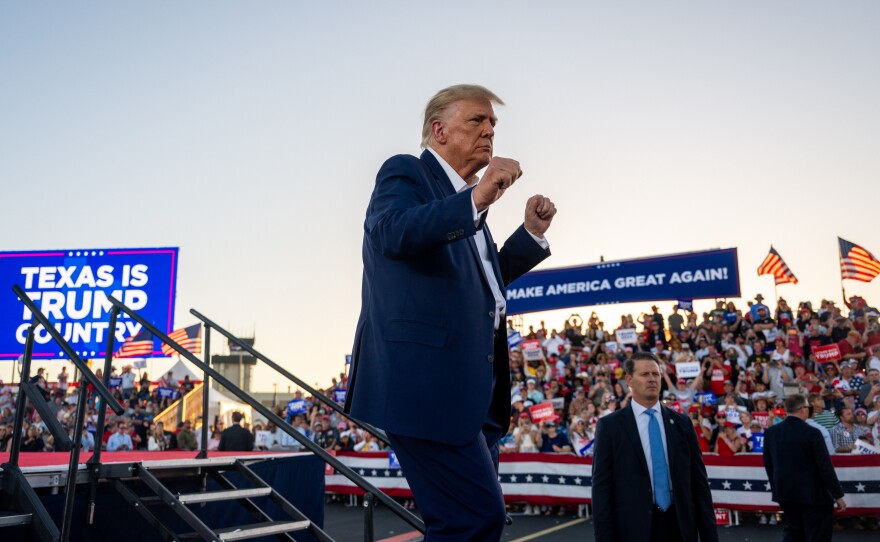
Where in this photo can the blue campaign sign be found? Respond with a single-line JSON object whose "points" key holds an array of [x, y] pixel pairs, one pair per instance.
{"points": [[514, 339], [71, 288], [707, 398], [757, 443], [393, 463], [296, 406], [115, 382], [339, 396], [692, 275], [166, 393]]}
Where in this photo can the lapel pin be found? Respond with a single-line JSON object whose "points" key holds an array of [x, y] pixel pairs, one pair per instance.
{"points": [[671, 421]]}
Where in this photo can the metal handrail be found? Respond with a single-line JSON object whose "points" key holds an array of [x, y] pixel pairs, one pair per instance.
{"points": [[378, 433], [71, 353], [86, 377], [340, 467]]}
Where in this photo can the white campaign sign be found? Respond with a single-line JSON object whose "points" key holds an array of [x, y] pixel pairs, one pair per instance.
{"points": [[626, 336], [687, 369]]}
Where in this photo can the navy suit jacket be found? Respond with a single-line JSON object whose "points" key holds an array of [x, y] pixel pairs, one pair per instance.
{"points": [[425, 358], [236, 438], [623, 499], [798, 465]]}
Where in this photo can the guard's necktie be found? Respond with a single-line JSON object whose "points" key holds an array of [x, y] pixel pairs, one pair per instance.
{"points": [[662, 497]]}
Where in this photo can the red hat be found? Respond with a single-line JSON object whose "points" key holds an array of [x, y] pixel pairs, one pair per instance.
{"points": [[721, 414], [779, 412], [728, 424], [524, 415]]}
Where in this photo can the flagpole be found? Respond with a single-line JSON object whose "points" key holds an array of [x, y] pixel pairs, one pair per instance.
{"points": [[839, 264]]}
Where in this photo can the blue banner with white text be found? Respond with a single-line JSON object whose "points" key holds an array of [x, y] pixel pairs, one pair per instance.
{"points": [[693, 275], [71, 288]]}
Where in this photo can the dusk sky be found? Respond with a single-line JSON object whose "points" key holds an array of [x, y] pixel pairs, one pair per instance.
{"points": [[249, 135]]}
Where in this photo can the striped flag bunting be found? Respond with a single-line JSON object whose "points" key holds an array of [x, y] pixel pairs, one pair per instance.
{"points": [[139, 345], [774, 265], [187, 337], [737, 483], [856, 263]]}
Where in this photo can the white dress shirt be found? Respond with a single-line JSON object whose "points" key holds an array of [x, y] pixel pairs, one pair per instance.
{"points": [[642, 423], [459, 184]]}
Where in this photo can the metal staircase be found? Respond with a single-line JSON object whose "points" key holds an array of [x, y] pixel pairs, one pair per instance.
{"points": [[185, 492], [177, 501]]}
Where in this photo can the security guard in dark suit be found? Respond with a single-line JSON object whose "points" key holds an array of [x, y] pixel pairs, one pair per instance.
{"points": [[236, 438]]}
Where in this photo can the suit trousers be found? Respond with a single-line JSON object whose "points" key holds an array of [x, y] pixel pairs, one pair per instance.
{"points": [[807, 523], [664, 525], [455, 487]]}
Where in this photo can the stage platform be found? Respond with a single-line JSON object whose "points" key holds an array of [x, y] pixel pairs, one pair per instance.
{"points": [[298, 477], [49, 469]]}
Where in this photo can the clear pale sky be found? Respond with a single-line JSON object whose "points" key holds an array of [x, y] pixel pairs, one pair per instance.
{"points": [[249, 135]]}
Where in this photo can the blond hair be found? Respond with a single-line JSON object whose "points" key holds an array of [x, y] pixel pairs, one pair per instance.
{"points": [[440, 102]]}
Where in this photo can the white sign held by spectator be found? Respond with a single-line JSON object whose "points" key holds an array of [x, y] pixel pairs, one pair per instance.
{"points": [[626, 336], [263, 439], [687, 369], [866, 448], [531, 350], [610, 347]]}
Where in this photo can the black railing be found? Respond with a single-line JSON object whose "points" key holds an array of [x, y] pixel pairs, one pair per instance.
{"points": [[341, 468], [29, 390], [378, 433]]}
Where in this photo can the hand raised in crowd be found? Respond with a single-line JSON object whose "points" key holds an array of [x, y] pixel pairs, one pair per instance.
{"points": [[539, 214], [499, 176]]}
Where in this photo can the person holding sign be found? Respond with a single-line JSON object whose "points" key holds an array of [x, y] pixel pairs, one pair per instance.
{"points": [[802, 478], [432, 313], [649, 481]]}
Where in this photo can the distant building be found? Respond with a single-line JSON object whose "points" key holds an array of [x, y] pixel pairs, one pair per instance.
{"points": [[237, 367]]}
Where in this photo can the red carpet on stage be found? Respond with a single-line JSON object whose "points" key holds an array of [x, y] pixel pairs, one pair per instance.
{"points": [[61, 459]]}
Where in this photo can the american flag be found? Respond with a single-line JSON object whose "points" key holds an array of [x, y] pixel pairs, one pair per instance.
{"points": [[188, 337], [774, 265], [738, 482], [140, 345], [857, 263]]}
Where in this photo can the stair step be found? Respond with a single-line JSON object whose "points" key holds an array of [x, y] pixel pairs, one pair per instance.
{"points": [[11, 519], [226, 495], [262, 529]]}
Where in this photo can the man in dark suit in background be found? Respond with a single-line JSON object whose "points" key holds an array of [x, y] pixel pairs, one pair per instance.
{"points": [[802, 478], [649, 481], [430, 360], [236, 438]]}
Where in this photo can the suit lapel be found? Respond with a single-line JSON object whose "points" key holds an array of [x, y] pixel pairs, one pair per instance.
{"points": [[441, 180], [632, 432], [445, 186], [672, 442]]}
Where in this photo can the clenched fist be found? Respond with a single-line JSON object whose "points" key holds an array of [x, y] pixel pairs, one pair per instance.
{"points": [[499, 176], [539, 215]]}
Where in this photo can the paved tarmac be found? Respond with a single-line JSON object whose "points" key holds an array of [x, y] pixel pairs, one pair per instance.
{"points": [[346, 524]]}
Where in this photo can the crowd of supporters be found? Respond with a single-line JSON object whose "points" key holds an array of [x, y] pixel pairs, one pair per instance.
{"points": [[134, 430], [749, 360], [742, 363]]}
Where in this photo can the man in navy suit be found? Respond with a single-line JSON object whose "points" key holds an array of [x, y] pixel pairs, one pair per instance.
{"points": [[429, 362], [802, 478], [649, 481]]}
